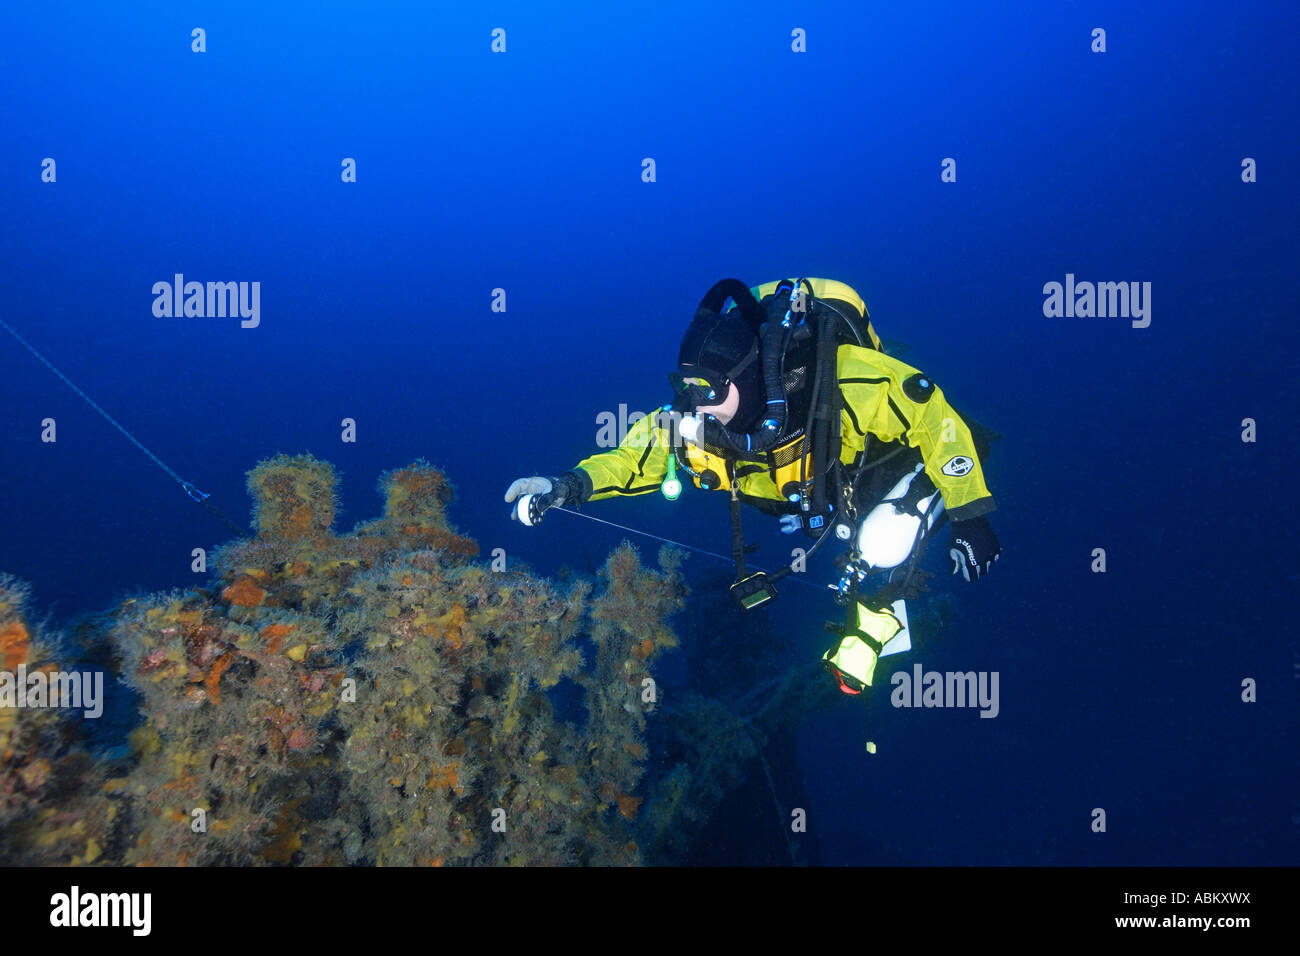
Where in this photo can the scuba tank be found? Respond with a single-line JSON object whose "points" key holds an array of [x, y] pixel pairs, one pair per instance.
{"points": [[888, 534]]}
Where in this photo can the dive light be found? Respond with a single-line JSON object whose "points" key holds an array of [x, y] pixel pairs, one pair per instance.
{"points": [[672, 485]]}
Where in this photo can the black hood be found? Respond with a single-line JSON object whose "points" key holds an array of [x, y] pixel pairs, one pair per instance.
{"points": [[718, 343]]}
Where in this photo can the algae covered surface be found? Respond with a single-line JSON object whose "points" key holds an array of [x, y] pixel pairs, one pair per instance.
{"points": [[379, 697]]}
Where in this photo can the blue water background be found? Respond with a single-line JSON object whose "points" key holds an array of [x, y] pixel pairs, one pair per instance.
{"points": [[522, 171]]}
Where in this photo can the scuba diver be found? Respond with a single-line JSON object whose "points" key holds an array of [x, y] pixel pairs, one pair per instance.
{"points": [[788, 402]]}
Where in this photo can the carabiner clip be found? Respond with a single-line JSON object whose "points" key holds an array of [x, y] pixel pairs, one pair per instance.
{"points": [[193, 492]]}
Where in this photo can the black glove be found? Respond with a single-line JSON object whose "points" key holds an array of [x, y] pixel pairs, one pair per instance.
{"points": [[973, 547], [568, 488]]}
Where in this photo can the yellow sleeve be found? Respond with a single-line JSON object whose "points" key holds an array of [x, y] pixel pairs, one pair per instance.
{"points": [[636, 466], [883, 397]]}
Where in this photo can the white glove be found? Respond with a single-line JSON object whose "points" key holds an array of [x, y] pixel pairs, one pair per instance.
{"points": [[528, 486]]}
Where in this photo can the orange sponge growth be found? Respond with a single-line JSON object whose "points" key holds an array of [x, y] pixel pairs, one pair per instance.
{"points": [[244, 593], [14, 644], [213, 679], [445, 776], [451, 624], [416, 495], [52, 810], [628, 805], [415, 503], [293, 497]]}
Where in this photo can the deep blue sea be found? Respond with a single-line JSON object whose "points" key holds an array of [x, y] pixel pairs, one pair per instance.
{"points": [[523, 171]]}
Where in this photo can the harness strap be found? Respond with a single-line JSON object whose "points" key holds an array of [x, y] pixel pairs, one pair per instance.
{"points": [[737, 535], [865, 638]]}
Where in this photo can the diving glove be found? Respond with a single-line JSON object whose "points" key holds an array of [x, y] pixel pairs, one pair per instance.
{"points": [[535, 495], [973, 547]]}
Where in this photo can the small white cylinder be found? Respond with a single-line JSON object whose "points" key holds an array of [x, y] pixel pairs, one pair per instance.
{"points": [[885, 537]]}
